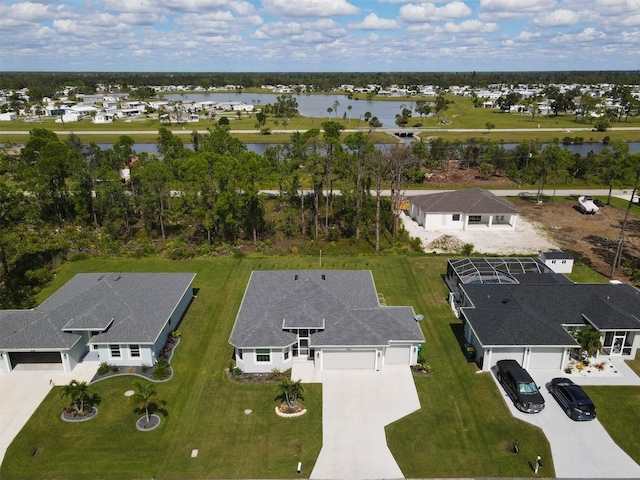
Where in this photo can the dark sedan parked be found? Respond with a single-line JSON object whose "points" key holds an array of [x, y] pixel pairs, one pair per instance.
{"points": [[576, 403]]}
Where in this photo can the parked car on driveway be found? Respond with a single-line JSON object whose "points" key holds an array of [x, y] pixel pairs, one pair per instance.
{"points": [[520, 386], [572, 398]]}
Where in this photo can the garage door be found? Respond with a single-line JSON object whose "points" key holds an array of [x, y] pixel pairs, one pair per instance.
{"points": [[397, 354], [34, 357], [348, 359], [548, 357], [513, 353]]}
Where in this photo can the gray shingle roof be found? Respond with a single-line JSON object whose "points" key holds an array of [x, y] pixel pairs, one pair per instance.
{"points": [[471, 201], [125, 307], [345, 303], [534, 314]]}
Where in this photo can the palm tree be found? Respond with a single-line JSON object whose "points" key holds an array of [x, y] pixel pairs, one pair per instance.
{"points": [[290, 392], [590, 341], [145, 398], [78, 392]]}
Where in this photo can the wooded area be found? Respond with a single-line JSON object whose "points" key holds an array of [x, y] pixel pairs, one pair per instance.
{"points": [[62, 199], [48, 83]]}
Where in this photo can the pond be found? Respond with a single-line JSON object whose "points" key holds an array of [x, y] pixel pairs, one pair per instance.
{"points": [[312, 105]]}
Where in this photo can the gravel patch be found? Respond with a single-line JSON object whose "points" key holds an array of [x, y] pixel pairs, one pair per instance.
{"points": [[529, 238]]}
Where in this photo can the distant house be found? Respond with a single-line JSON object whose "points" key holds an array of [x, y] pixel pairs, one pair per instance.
{"points": [[558, 261], [125, 317], [517, 308], [463, 210], [334, 319], [103, 117], [8, 117]]}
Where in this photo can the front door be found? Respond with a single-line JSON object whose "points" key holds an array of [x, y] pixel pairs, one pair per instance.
{"points": [[614, 342], [303, 342]]}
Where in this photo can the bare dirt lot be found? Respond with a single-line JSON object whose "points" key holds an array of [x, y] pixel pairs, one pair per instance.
{"points": [[591, 238]]}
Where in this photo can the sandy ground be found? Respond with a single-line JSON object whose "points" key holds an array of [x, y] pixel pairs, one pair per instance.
{"points": [[528, 239]]}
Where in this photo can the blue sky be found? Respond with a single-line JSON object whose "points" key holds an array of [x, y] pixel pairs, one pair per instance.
{"points": [[319, 35]]}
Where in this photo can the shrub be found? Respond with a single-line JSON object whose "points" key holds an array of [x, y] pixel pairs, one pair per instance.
{"points": [[161, 371], [114, 368], [103, 368], [237, 372], [467, 249]]}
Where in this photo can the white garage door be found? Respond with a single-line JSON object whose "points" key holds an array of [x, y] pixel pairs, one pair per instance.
{"points": [[397, 354], [512, 353], [348, 359], [546, 357]]}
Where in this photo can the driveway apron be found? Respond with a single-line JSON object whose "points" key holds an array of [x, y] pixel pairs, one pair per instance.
{"points": [[579, 449], [357, 404], [24, 389]]}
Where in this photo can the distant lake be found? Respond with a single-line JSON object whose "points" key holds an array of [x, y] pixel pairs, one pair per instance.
{"points": [[312, 105], [260, 148]]}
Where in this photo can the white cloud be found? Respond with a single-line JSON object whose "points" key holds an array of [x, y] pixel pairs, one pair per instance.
{"points": [[523, 37], [588, 35], [428, 12], [309, 8], [469, 26], [508, 9], [557, 18], [139, 19], [373, 22], [325, 27]]}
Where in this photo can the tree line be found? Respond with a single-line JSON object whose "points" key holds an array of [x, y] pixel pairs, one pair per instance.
{"points": [[61, 198], [48, 83]]}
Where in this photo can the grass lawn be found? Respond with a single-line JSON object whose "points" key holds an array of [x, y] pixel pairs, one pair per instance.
{"points": [[619, 412], [464, 428]]}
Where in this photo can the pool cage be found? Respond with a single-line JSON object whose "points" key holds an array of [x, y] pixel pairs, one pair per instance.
{"points": [[489, 270]]}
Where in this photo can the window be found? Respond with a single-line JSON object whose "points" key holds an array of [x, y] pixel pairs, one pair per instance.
{"points": [[286, 353], [239, 353], [134, 351], [115, 351], [475, 218], [263, 355], [456, 217], [553, 261]]}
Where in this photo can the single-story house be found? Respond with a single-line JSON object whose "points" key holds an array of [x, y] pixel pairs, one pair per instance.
{"points": [[463, 210], [531, 317], [125, 317], [557, 260], [335, 319], [8, 117]]}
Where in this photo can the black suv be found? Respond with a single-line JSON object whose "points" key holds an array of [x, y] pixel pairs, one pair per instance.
{"points": [[520, 386], [576, 403]]}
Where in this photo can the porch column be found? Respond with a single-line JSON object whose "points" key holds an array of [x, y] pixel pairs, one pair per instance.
{"points": [[490, 220], [513, 221], [466, 221]]}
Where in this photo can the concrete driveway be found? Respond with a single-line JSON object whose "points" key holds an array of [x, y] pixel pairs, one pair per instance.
{"points": [[356, 406], [579, 449], [24, 389]]}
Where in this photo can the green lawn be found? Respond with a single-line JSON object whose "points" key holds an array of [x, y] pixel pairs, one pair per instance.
{"points": [[464, 428], [619, 412]]}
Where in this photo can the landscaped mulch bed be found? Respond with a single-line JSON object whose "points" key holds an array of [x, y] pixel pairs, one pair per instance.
{"points": [[270, 377], [145, 425], [90, 412], [145, 372]]}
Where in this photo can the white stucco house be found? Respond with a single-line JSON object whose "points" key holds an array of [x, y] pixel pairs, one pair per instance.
{"points": [[334, 319], [125, 317], [518, 308], [463, 210], [8, 117]]}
